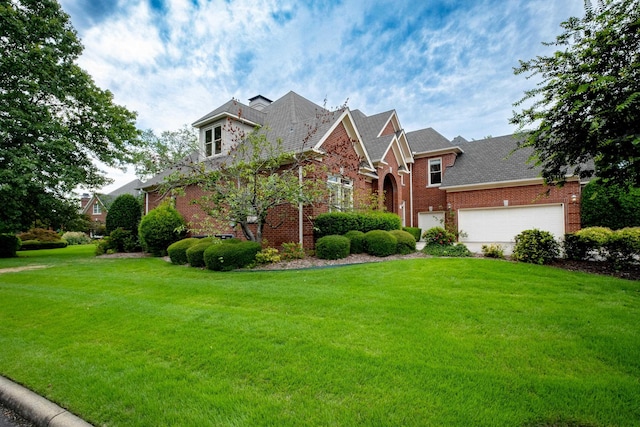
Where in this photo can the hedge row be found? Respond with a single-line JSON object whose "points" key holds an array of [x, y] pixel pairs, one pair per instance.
{"points": [[32, 245], [339, 223], [620, 248], [380, 243]]}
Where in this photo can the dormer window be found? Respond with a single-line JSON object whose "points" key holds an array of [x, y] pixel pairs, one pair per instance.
{"points": [[435, 172], [213, 141], [97, 209]]}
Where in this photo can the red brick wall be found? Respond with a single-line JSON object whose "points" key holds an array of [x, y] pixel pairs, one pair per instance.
{"points": [[423, 195], [389, 129], [524, 195]]}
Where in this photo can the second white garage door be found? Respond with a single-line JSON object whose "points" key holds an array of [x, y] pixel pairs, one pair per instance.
{"points": [[501, 225]]}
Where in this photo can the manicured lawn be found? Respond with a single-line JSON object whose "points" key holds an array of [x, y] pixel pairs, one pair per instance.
{"points": [[468, 342]]}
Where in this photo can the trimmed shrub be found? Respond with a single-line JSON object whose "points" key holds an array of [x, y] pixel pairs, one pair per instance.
{"points": [[9, 245], [333, 247], [587, 243], [178, 251], [40, 234], [159, 228], [195, 253], [535, 247], [339, 223], [268, 256], [292, 251], [414, 231], [380, 243], [406, 242], [230, 256], [493, 251], [356, 239], [32, 245], [125, 212], [623, 247], [438, 236], [121, 240], [76, 238], [437, 250]]}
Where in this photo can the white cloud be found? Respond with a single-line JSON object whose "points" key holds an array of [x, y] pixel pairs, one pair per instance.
{"points": [[439, 64]]}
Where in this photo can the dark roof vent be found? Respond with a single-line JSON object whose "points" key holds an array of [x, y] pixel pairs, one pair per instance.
{"points": [[259, 102]]}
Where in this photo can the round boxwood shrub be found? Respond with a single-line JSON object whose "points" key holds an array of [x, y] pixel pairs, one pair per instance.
{"points": [[333, 247], [535, 247], [357, 241], [406, 242], [125, 213], [9, 245], [623, 247], [414, 231], [195, 253], [178, 251], [380, 243], [229, 256], [159, 228]]}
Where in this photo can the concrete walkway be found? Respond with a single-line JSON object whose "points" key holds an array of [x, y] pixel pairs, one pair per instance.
{"points": [[35, 408]]}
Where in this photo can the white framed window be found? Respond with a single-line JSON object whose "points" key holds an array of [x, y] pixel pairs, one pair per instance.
{"points": [[340, 193], [213, 141], [97, 209], [435, 172]]}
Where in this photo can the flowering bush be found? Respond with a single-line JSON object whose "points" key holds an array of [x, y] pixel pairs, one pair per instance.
{"points": [[438, 236]]}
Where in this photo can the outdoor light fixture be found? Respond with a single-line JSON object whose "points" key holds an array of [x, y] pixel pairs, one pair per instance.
{"points": [[574, 198]]}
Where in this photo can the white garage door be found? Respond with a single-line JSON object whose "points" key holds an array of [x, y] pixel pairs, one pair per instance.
{"points": [[427, 220], [501, 225]]}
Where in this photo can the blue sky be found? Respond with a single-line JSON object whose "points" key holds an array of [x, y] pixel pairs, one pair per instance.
{"points": [[444, 64]]}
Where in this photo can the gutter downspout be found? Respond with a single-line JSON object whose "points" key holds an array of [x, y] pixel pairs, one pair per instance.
{"points": [[300, 211], [411, 194]]}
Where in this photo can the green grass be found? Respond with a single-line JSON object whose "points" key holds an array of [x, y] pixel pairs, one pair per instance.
{"points": [[425, 342]]}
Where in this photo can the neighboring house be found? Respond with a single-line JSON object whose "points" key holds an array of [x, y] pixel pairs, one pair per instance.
{"points": [[489, 193], [96, 205]]}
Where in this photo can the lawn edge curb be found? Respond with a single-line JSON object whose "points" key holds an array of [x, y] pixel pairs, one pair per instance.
{"points": [[36, 408]]}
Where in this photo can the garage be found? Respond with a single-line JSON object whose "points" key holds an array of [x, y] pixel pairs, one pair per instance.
{"points": [[501, 225], [427, 220]]}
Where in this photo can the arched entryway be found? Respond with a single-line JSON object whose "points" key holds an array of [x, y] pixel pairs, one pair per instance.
{"points": [[389, 188]]}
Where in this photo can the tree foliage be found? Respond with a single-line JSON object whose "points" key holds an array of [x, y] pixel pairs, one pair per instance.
{"points": [[609, 205], [587, 106], [157, 153], [125, 212], [256, 177], [54, 120]]}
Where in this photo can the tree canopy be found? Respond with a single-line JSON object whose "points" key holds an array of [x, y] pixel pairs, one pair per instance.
{"points": [[586, 110], [54, 120], [157, 153]]}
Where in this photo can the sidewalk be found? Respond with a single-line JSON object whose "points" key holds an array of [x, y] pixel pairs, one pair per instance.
{"points": [[34, 408]]}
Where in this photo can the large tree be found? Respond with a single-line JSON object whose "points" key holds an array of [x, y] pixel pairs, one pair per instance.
{"points": [[157, 153], [54, 120], [586, 109]]}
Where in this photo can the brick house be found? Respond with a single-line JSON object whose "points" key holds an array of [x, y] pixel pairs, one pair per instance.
{"points": [[96, 205], [481, 187]]}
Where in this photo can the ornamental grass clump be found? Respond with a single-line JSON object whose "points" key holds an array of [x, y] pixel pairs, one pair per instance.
{"points": [[380, 243], [333, 247]]}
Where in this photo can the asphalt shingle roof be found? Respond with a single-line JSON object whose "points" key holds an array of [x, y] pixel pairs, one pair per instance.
{"points": [[369, 128], [235, 108], [425, 140], [490, 160]]}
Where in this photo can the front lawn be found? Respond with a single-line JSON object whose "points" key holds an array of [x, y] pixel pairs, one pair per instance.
{"points": [[141, 342]]}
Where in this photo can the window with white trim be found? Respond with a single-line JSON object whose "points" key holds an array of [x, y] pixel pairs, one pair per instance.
{"points": [[97, 209], [213, 141], [435, 172], [340, 193]]}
